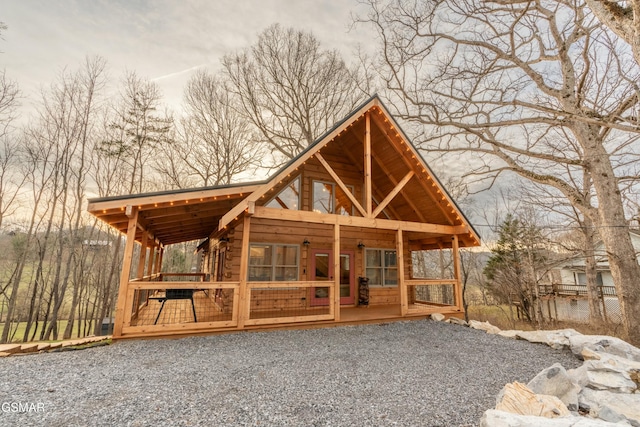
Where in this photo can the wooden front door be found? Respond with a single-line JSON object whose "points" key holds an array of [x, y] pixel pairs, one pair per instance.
{"points": [[322, 270]]}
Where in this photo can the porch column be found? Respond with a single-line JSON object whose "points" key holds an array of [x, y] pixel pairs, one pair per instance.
{"points": [[336, 272], [159, 259], [455, 246], [402, 285], [152, 254], [121, 305], [244, 303], [143, 255]]}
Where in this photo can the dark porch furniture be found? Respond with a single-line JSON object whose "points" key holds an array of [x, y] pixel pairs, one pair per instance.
{"points": [[176, 294]]}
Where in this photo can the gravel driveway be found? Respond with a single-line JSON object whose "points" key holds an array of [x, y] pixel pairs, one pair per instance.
{"points": [[417, 373]]}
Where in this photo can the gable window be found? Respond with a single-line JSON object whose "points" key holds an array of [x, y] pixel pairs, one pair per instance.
{"points": [[381, 267], [273, 262], [328, 198], [288, 197]]}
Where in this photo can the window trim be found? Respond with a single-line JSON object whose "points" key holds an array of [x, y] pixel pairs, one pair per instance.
{"points": [[383, 267], [273, 265]]}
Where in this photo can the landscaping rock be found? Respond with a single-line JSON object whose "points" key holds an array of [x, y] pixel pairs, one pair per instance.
{"points": [[438, 317], [456, 321], [494, 418], [555, 339], [484, 326], [513, 334], [554, 381], [599, 375], [613, 407], [517, 398], [604, 344]]}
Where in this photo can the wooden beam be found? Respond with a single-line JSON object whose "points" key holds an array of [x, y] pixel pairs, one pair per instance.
{"points": [[159, 262], [374, 191], [244, 303], [402, 284], [355, 221], [456, 271], [144, 200], [336, 272], [398, 188], [121, 304], [341, 184], [152, 254], [367, 165], [143, 256], [255, 196]]}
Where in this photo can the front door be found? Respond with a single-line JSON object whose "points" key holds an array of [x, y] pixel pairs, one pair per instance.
{"points": [[322, 270]]}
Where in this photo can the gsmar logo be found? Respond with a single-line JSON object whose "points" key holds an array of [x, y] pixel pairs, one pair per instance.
{"points": [[22, 407]]}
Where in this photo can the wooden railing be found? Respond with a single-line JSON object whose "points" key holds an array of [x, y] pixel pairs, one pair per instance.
{"points": [[429, 294], [211, 305], [568, 289], [288, 302]]}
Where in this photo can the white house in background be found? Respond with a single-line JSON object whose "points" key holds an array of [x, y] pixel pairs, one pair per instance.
{"points": [[571, 272]]}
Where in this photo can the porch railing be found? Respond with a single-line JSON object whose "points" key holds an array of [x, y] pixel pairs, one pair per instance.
{"points": [[429, 295], [288, 302], [163, 306]]}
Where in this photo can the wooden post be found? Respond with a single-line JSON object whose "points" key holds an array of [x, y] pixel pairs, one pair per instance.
{"points": [[143, 255], [121, 305], [402, 285], [244, 306], [367, 164], [159, 259], [336, 272], [455, 248], [152, 255]]}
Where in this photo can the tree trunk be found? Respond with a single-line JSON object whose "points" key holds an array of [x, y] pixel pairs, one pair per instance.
{"points": [[614, 232]]}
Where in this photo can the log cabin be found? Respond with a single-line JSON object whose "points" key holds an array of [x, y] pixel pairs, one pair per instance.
{"points": [[333, 237]]}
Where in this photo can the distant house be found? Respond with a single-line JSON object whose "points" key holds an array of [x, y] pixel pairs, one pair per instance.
{"points": [[571, 272], [330, 233], [568, 285]]}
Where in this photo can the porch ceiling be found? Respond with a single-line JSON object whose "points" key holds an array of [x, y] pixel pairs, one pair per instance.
{"points": [[173, 216]]}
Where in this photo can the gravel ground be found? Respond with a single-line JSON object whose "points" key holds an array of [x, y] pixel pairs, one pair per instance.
{"points": [[403, 373]]}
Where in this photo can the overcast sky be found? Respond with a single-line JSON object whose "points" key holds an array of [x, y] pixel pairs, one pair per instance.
{"points": [[164, 40]]}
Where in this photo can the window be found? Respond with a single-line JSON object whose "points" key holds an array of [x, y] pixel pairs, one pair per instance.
{"points": [[288, 197], [329, 198], [382, 267], [271, 262]]}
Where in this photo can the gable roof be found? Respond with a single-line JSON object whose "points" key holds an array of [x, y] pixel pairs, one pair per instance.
{"points": [[402, 179]]}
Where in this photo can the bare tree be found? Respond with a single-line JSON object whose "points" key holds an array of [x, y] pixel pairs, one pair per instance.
{"points": [[496, 78], [622, 17], [215, 143], [290, 89]]}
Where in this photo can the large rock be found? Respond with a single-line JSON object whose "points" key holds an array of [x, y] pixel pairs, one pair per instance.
{"points": [[555, 339], [612, 407], [517, 398], [604, 344], [456, 321], [599, 375], [495, 418], [511, 333], [484, 326], [554, 381], [438, 317]]}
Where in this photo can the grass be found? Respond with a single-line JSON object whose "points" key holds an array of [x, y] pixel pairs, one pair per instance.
{"points": [[500, 316], [62, 324]]}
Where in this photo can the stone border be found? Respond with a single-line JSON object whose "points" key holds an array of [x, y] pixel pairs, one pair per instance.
{"points": [[604, 391]]}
